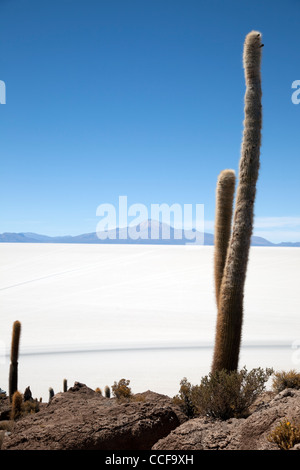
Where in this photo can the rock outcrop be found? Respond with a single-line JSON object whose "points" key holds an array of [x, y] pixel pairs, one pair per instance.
{"points": [[82, 419], [236, 434]]}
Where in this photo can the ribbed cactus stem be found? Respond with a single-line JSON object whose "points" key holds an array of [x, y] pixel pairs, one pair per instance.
{"points": [[223, 220], [231, 298], [14, 354]]}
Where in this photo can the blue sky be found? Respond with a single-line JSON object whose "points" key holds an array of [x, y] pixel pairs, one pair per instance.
{"points": [[144, 99]]}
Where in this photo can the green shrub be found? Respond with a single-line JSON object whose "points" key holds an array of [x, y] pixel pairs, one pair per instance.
{"points": [[122, 389], [184, 398], [223, 394], [285, 435], [282, 380]]}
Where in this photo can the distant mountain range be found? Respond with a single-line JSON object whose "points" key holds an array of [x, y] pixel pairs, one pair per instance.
{"points": [[165, 235]]}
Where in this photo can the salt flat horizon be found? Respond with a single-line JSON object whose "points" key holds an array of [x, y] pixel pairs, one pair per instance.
{"points": [[121, 308]]}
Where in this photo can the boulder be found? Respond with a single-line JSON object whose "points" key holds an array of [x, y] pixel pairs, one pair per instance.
{"points": [[82, 419]]}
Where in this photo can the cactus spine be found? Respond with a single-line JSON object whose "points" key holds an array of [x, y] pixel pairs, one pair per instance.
{"points": [[14, 354], [230, 306], [224, 203]]}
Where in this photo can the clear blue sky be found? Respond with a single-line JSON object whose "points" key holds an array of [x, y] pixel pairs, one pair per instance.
{"points": [[144, 99]]}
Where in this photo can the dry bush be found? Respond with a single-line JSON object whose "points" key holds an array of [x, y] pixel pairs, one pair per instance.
{"points": [[223, 394], [6, 425], [282, 380], [184, 398], [121, 389], [30, 407], [285, 435], [20, 408]]}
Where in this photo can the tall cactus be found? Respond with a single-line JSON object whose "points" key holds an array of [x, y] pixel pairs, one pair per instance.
{"points": [[223, 219], [14, 354], [231, 297]]}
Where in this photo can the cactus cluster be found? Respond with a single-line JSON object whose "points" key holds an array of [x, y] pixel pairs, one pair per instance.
{"points": [[232, 239], [233, 245], [23, 404], [106, 391]]}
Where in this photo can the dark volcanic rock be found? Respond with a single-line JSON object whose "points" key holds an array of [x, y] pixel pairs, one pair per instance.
{"points": [[82, 419]]}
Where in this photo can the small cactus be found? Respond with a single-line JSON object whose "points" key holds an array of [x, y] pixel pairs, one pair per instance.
{"points": [[107, 391], [27, 394], [51, 393], [16, 409]]}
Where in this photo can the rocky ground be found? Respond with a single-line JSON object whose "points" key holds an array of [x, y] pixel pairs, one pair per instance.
{"points": [[82, 419]]}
